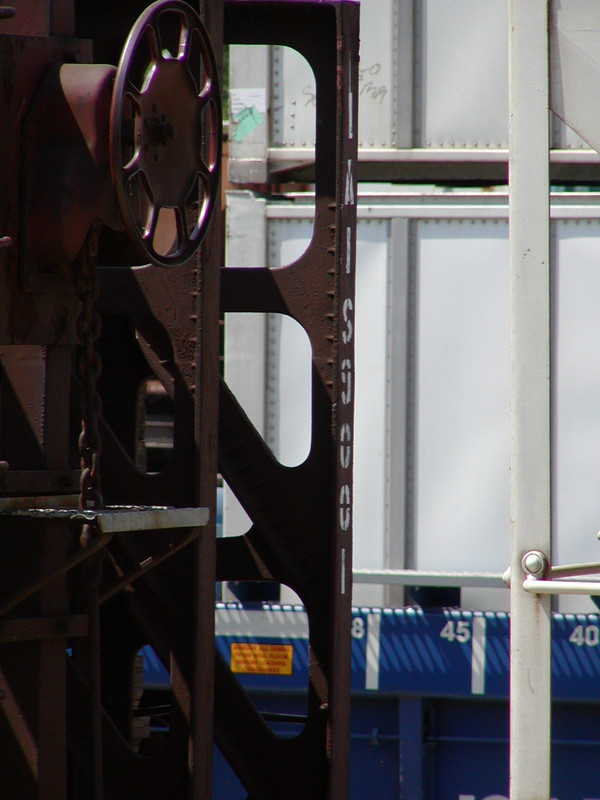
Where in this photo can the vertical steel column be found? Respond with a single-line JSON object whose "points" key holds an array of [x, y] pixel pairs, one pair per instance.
{"points": [[530, 394], [301, 534], [206, 395]]}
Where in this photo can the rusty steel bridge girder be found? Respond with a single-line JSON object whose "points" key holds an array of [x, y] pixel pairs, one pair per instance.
{"points": [[75, 610], [301, 533]]}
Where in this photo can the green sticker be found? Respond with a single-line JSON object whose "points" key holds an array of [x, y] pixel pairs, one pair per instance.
{"points": [[247, 120]]}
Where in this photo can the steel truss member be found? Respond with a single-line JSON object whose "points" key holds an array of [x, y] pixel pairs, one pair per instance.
{"points": [[110, 268]]}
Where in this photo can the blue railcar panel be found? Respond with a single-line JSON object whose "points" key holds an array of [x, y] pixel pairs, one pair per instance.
{"points": [[416, 658], [450, 653], [430, 699]]}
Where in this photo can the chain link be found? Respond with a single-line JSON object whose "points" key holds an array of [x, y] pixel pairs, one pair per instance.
{"points": [[89, 367]]}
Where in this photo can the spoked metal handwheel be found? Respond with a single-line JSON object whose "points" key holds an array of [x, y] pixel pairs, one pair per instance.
{"points": [[165, 132]]}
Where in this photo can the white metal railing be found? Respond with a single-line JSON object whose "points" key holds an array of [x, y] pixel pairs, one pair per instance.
{"points": [[538, 586], [530, 482], [414, 577], [561, 580], [545, 580], [536, 27]]}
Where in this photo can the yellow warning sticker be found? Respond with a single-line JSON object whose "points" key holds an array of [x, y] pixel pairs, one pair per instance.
{"points": [[262, 659]]}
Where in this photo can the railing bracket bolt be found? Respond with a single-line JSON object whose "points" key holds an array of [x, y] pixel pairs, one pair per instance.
{"points": [[534, 563]]}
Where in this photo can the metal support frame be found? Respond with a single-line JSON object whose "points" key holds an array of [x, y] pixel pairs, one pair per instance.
{"points": [[76, 609], [561, 580], [530, 394], [74, 612], [301, 517]]}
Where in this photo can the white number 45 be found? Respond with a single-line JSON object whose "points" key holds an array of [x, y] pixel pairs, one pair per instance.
{"points": [[456, 631]]}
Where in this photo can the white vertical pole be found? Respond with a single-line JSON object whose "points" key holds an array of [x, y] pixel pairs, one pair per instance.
{"points": [[530, 393]]}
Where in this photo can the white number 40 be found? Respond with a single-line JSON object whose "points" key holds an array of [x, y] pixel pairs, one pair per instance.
{"points": [[589, 636], [456, 631]]}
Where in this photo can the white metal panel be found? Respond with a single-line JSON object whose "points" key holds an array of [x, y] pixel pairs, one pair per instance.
{"points": [[433, 90], [249, 112], [461, 519], [463, 89], [575, 66], [398, 296], [294, 88], [377, 80], [565, 138], [289, 379], [370, 412], [289, 236], [577, 398], [290, 357], [293, 99], [461, 78], [245, 367]]}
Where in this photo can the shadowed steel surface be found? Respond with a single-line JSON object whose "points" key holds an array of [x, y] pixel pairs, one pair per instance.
{"points": [[301, 516], [82, 591]]}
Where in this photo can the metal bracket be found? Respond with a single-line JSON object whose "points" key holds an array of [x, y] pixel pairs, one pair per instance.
{"points": [[108, 521], [561, 580]]}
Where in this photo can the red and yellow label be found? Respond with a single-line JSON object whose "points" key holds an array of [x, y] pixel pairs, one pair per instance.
{"points": [[262, 659]]}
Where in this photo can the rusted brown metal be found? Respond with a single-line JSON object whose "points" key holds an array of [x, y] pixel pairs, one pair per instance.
{"points": [[54, 185], [68, 163], [75, 611], [166, 131], [27, 630], [301, 517]]}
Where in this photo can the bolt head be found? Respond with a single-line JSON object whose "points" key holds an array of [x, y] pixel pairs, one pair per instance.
{"points": [[534, 562]]}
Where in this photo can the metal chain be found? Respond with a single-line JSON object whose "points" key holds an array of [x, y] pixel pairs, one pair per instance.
{"points": [[90, 367]]}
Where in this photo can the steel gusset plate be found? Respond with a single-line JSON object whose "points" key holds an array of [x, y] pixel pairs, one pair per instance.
{"points": [[302, 516]]}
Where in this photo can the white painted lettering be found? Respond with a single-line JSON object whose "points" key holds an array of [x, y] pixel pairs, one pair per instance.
{"points": [[349, 199], [348, 250], [346, 376], [345, 450], [347, 309], [345, 507]]}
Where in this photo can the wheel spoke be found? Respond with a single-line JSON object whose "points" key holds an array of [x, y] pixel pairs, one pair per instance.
{"points": [[205, 204], [202, 101], [166, 205], [208, 161], [131, 169], [133, 94], [181, 213], [208, 91], [204, 170], [184, 41], [153, 42], [150, 226]]}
